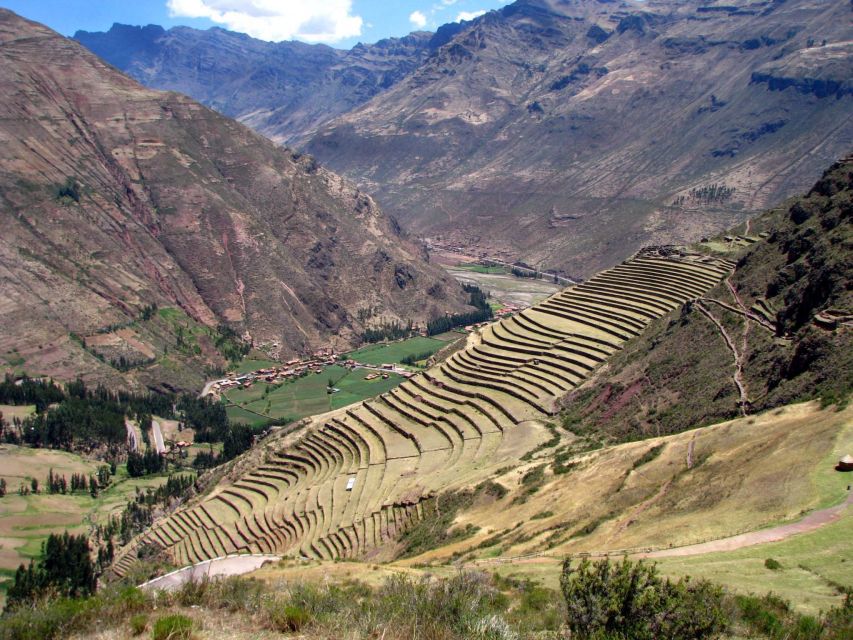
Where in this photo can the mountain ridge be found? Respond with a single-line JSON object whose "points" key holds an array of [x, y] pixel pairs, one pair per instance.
{"points": [[290, 88], [117, 197], [569, 134], [544, 123]]}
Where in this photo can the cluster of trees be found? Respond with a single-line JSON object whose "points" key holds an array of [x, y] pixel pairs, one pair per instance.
{"points": [[416, 357], [141, 464], [124, 364], [706, 195], [65, 569], [58, 484], [75, 423], [205, 416], [41, 393], [139, 512], [524, 273], [231, 346], [78, 418], [476, 298], [387, 331], [68, 191], [238, 438]]}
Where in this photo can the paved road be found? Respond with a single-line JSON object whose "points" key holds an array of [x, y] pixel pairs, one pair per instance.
{"points": [[158, 437], [132, 440], [228, 566]]}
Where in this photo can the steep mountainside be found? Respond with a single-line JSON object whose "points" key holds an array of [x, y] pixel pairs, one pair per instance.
{"points": [[115, 197], [571, 133], [283, 90], [780, 330]]}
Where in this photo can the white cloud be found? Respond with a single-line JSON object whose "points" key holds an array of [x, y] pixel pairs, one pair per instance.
{"points": [[418, 19], [276, 20], [469, 15]]}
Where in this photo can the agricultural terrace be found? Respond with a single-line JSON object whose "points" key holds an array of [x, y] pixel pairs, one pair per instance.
{"points": [[368, 472]]}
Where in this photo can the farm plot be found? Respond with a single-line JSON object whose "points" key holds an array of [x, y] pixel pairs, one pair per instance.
{"points": [[305, 396], [27, 520], [396, 352]]}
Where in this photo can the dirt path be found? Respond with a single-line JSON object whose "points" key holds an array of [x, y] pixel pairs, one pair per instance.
{"points": [[746, 314], [132, 440], [738, 357], [158, 437], [218, 567], [814, 520]]}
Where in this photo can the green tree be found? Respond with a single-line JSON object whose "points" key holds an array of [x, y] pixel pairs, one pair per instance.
{"points": [[630, 601], [65, 569]]}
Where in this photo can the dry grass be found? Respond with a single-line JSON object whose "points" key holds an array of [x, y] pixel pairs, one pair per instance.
{"points": [[11, 411], [749, 473]]}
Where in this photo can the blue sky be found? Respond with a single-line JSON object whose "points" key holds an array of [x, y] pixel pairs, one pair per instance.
{"points": [[340, 23]]}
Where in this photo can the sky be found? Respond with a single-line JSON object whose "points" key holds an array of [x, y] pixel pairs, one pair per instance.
{"points": [[340, 23]]}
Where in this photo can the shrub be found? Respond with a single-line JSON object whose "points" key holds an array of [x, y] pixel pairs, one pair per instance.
{"points": [[288, 618], [629, 600], [173, 627], [773, 565], [138, 624], [48, 619]]}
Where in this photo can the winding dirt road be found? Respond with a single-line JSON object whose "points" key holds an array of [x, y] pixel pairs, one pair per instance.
{"points": [[814, 520]]}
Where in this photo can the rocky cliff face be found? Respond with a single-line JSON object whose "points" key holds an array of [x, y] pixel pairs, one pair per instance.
{"points": [[115, 197], [283, 90], [571, 133]]}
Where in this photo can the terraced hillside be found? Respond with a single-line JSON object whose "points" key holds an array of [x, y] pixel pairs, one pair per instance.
{"points": [[358, 477]]}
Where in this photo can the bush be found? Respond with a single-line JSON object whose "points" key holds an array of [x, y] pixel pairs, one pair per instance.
{"points": [[773, 565], [138, 624], [288, 618], [48, 619], [173, 627], [629, 600]]}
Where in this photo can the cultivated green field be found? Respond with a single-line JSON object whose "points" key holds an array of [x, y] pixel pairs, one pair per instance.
{"points": [[26, 521], [306, 396], [354, 388], [479, 268], [397, 351]]}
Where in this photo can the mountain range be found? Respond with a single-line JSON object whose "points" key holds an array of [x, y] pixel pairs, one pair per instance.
{"points": [[144, 228], [565, 134]]}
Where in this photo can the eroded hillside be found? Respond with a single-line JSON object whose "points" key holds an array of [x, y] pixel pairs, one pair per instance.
{"points": [[775, 332], [116, 198], [281, 89], [571, 134]]}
